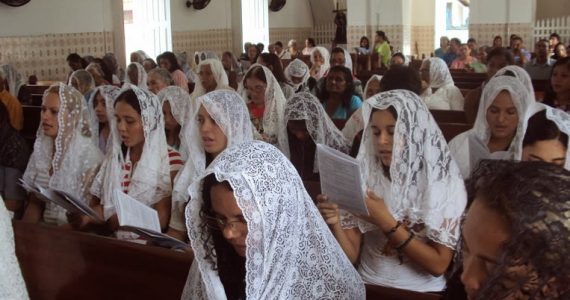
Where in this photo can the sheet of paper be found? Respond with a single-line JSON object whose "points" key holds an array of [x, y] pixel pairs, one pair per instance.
{"points": [[340, 179], [79, 206], [134, 213], [157, 238]]}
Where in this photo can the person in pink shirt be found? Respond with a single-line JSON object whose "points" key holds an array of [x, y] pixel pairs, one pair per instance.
{"points": [[167, 60], [464, 59]]}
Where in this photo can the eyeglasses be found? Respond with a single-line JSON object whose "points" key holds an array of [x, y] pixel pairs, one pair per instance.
{"points": [[216, 223]]}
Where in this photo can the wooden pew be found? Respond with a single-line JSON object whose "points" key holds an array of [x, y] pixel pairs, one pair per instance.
{"points": [[313, 188], [62, 264], [450, 130], [32, 119], [363, 76], [374, 292], [37, 92], [448, 116], [306, 59]]}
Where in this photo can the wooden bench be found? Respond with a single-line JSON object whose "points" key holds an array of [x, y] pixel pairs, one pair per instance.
{"points": [[451, 130], [32, 119], [448, 116], [62, 264], [37, 92], [374, 292]]}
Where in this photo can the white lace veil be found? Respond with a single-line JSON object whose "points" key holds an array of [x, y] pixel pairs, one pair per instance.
{"points": [[208, 54], [347, 60], [219, 75], [439, 75], [12, 285], [181, 106], [305, 106], [355, 123], [559, 117], [72, 156], [290, 251], [426, 186], [273, 116], [228, 110], [297, 68], [150, 180], [520, 74], [14, 78], [326, 57], [109, 93], [142, 77]]}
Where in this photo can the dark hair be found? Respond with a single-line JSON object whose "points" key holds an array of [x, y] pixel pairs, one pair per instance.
{"points": [[555, 55], [471, 40], [399, 54], [456, 40], [171, 58], [337, 50], [401, 78], [153, 63], [364, 38], [516, 38], [311, 41], [347, 95], [382, 34], [130, 98], [549, 94], [222, 257], [501, 52], [74, 57], [260, 47], [554, 35], [273, 63], [540, 128], [4, 118], [278, 43], [497, 37], [394, 113], [107, 73], [255, 72]]}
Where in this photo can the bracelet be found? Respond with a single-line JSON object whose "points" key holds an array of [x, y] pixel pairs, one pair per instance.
{"points": [[393, 230], [406, 242]]}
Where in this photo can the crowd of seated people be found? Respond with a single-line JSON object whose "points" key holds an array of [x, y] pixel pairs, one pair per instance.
{"points": [[224, 147]]}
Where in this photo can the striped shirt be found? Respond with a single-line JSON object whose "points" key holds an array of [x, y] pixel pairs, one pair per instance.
{"points": [[174, 159]]}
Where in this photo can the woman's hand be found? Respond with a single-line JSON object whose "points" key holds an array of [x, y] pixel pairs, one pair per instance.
{"points": [[328, 210], [378, 212]]}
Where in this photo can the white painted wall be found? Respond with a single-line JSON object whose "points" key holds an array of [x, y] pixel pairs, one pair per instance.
{"points": [[552, 8], [56, 16], [422, 12], [295, 14], [502, 11], [217, 15]]}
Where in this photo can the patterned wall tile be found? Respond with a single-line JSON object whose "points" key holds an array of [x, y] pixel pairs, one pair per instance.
{"points": [[423, 37], [484, 33], [44, 55], [286, 34], [218, 40]]}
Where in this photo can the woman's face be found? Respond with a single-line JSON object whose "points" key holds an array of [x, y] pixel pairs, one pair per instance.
{"points": [[133, 75], [251, 52], [225, 208], [256, 90], [226, 62], [156, 84], [464, 51], [502, 117], [207, 78], [318, 58], [484, 232], [498, 42], [336, 83], [50, 110], [169, 120], [213, 138], [560, 79], [560, 50], [550, 151], [364, 43], [129, 124], [396, 60], [100, 108], [164, 63], [296, 80], [383, 125], [298, 128], [147, 65], [135, 58], [373, 88]]}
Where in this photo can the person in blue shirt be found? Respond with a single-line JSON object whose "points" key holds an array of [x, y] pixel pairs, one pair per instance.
{"points": [[453, 52], [338, 96]]}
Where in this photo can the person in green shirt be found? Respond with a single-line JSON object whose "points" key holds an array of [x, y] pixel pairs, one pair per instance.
{"points": [[382, 47]]}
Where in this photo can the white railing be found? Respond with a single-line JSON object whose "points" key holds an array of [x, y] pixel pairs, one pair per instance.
{"points": [[543, 28]]}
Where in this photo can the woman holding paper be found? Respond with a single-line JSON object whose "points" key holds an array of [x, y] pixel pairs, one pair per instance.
{"points": [[65, 156], [415, 198], [140, 163], [256, 233], [221, 121]]}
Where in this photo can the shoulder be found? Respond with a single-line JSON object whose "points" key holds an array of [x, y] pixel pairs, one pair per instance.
{"points": [[355, 102]]}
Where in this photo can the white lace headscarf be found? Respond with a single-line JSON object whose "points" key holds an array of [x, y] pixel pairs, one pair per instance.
{"points": [[141, 55], [150, 179], [109, 93], [426, 186], [520, 74], [181, 106], [219, 75], [557, 116], [305, 106], [208, 55], [439, 75], [355, 123], [290, 251], [142, 77], [273, 117], [14, 78], [326, 61], [12, 285], [347, 60], [228, 110], [297, 68], [72, 156]]}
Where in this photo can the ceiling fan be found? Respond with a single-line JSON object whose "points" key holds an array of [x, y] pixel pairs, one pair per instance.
{"points": [[15, 3], [198, 4]]}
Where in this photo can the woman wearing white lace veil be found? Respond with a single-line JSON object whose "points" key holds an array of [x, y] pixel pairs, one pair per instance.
{"points": [[102, 115], [136, 75], [297, 75], [416, 197], [140, 162], [518, 73], [307, 121], [12, 285], [266, 104], [139, 56], [14, 79], [320, 58], [64, 157], [272, 244], [441, 92], [355, 123], [546, 136], [82, 81], [231, 126], [498, 129], [176, 105], [212, 77]]}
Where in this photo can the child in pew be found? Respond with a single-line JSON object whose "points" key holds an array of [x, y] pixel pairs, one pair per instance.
{"points": [[256, 233], [546, 136], [176, 105], [308, 125], [65, 156], [266, 104], [101, 110], [221, 120], [516, 233], [415, 197], [439, 90], [140, 162], [498, 130]]}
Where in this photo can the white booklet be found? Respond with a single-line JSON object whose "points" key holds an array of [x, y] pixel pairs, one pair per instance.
{"points": [[138, 218], [340, 179]]}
